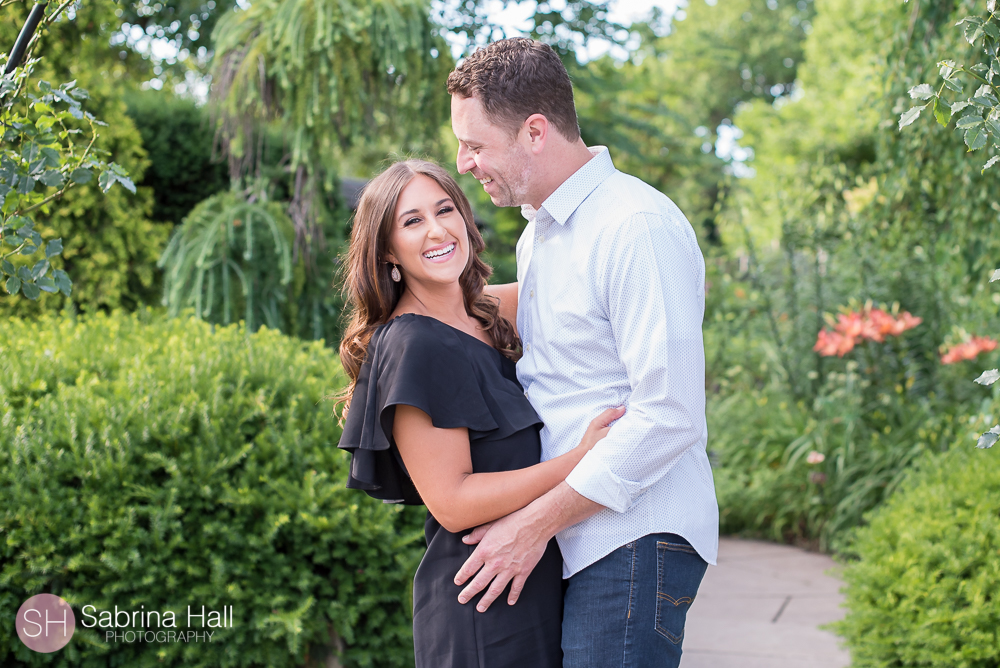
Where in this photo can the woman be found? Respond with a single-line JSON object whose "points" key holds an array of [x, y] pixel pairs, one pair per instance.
{"points": [[435, 415]]}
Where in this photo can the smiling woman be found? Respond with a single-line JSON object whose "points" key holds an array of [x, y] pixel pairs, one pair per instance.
{"points": [[435, 415]]}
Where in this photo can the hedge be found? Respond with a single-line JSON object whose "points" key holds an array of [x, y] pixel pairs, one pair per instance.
{"points": [[925, 589], [152, 464]]}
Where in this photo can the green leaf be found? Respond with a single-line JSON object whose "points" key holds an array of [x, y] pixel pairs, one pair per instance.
{"points": [[13, 285], [922, 92], [991, 6], [29, 249], [46, 284], [25, 184], [31, 291], [10, 270], [53, 248], [910, 116], [62, 281], [81, 175], [975, 138], [39, 269], [988, 377], [51, 178], [995, 276], [953, 85], [941, 112], [989, 438], [993, 127], [992, 31], [24, 273], [970, 121], [983, 101], [989, 163]]}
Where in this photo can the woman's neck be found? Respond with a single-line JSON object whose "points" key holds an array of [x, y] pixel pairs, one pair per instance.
{"points": [[444, 304]]}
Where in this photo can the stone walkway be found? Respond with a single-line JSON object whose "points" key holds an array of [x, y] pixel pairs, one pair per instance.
{"points": [[761, 608]]}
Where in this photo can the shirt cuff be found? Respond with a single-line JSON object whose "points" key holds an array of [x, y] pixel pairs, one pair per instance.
{"points": [[593, 479]]}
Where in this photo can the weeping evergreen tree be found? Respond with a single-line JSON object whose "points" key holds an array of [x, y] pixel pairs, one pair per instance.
{"points": [[328, 88]]}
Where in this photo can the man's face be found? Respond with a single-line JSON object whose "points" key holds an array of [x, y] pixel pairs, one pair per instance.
{"points": [[498, 160]]}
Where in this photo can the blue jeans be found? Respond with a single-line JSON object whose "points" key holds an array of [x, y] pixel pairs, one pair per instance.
{"points": [[629, 608]]}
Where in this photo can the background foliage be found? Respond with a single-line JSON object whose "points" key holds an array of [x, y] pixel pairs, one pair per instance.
{"points": [[161, 462]]}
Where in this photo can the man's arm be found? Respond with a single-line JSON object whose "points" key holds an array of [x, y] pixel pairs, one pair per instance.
{"points": [[510, 548], [507, 294]]}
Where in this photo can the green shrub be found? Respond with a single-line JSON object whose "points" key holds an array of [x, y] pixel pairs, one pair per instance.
{"points": [[163, 463], [177, 136], [924, 590]]}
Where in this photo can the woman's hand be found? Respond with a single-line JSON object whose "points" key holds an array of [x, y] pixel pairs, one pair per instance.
{"points": [[598, 428]]}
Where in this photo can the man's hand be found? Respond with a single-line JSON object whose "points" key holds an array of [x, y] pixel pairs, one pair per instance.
{"points": [[509, 549]]}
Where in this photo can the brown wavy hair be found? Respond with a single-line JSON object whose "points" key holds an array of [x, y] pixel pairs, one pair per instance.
{"points": [[371, 293]]}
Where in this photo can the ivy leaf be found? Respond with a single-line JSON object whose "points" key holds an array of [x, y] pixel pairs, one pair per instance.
{"points": [[992, 161], [910, 116], [989, 438], [53, 248], [31, 291], [922, 92], [970, 121], [988, 377], [975, 138], [13, 285]]}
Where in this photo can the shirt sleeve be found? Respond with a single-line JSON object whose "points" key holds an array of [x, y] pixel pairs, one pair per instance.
{"points": [[653, 286]]}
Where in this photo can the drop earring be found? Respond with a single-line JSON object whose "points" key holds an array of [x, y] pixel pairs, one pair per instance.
{"points": [[396, 276]]}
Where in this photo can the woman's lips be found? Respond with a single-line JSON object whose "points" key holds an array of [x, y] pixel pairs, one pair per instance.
{"points": [[441, 253]]}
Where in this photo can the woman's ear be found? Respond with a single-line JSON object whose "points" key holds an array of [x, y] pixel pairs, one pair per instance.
{"points": [[390, 258]]}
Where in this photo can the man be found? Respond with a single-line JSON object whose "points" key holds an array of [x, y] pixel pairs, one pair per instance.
{"points": [[609, 304]]}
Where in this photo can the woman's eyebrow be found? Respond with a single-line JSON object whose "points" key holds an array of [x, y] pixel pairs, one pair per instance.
{"points": [[438, 203]]}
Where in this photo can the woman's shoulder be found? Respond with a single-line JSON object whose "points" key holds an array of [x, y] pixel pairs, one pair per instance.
{"points": [[415, 335]]}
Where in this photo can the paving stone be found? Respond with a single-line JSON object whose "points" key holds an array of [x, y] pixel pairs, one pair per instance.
{"points": [[762, 607]]}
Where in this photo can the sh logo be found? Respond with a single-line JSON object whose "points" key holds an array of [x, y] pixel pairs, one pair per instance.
{"points": [[45, 623]]}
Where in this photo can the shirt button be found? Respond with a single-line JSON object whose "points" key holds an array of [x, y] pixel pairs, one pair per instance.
{"points": [[527, 347], [541, 238], [531, 293]]}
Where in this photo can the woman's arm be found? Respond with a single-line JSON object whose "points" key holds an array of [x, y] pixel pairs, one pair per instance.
{"points": [[507, 294], [440, 464]]}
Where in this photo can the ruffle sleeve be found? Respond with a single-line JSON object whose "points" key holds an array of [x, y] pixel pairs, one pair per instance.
{"points": [[454, 378]]}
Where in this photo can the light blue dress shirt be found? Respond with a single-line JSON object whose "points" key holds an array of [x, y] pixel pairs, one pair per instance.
{"points": [[611, 296]]}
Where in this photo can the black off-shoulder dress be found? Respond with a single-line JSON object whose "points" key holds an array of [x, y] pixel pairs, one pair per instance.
{"points": [[459, 381]]}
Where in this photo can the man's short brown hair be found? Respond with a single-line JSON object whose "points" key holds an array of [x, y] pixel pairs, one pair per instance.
{"points": [[515, 78]]}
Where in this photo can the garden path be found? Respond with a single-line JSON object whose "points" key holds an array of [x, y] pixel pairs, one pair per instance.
{"points": [[761, 608]]}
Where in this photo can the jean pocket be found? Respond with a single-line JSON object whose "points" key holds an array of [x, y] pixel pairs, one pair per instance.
{"points": [[679, 570]]}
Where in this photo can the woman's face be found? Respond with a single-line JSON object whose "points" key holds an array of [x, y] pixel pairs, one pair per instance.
{"points": [[428, 240]]}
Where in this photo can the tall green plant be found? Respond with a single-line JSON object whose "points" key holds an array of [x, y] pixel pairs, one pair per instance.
{"points": [[48, 148]]}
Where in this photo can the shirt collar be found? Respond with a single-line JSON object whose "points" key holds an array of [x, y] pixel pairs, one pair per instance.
{"points": [[561, 204]]}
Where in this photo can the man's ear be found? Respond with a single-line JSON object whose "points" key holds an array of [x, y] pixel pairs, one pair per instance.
{"points": [[536, 129]]}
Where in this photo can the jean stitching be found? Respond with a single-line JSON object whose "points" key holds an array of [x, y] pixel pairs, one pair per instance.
{"points": [[676, 547], [631, 602], [661, 596]]}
